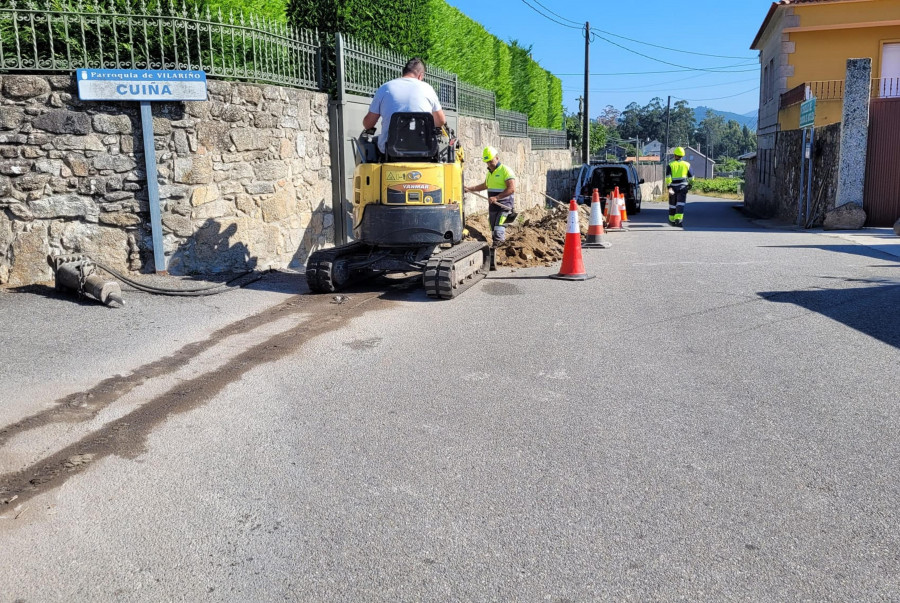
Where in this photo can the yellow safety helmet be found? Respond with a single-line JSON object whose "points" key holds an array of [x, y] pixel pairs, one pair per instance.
{"points": [[678, 152], [488, 153]]}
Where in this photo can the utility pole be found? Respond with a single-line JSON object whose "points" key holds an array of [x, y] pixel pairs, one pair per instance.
{"points": [[664, 154], [586, 123]]}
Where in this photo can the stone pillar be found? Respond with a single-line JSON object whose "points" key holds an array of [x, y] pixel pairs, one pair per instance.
{"points": [[854, 132], [848, 212]]}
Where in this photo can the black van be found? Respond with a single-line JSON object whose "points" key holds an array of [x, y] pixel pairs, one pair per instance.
{"points": [[606, 176]]}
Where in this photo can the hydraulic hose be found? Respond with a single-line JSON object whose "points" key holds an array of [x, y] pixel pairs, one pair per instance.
{"points": [[196, 292]]}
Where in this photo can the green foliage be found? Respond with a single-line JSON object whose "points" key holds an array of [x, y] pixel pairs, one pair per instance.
{"points": [[443, 36], [730, 165], [717, 185], [554, 100], [599, 134]]}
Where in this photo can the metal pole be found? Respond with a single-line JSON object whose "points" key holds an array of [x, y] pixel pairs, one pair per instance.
{"points": [[800, 218], [809, 175], [665, 151], [159, 257], [586, 125]]}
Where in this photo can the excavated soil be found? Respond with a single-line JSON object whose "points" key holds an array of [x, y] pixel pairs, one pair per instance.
{"points": [[536, 238]]}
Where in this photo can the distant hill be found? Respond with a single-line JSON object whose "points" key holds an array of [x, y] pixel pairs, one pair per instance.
{"points": [[748, 119]]}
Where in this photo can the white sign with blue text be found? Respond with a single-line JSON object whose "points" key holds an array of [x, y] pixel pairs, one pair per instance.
{"points": [[141, 85]]}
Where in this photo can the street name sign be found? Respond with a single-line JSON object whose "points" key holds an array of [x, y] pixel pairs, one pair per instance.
{"points": [[808, 113], [141, 85], [145, 86]]}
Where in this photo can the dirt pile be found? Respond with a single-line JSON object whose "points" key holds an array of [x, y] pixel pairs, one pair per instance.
{"points": [[536, 238]]}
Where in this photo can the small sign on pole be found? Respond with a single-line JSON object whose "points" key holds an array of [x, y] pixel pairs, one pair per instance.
{"points": [[808, 113], [144, 86], [141, 85]]}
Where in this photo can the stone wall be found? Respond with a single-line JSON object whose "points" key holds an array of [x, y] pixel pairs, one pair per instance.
{"points": [[245, 179], [537, 172], [786, 186]]}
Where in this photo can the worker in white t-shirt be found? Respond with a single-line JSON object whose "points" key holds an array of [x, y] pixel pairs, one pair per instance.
{"points": [[408, 93]]}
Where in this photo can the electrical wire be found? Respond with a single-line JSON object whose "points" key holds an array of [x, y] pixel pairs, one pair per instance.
{"points": [[717, 97], [525, 2], [654, 72], [609, 33], [656, 86]]}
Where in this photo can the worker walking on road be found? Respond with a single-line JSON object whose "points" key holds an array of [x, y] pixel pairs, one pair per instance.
{"points": [[679, 180], [501, 187], [410, 92]]}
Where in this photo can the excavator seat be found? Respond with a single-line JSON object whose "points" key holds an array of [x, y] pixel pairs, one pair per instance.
{"points": [[411, 137]]}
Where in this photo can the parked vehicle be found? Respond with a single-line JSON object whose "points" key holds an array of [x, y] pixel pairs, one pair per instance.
{"points": [[605, 176]]}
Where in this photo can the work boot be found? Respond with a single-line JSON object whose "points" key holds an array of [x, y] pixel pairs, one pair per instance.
{"points": [[678, 223]]}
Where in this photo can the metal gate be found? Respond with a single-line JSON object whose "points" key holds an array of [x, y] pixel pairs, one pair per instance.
{"points": [[881, 199], [361, 69]]}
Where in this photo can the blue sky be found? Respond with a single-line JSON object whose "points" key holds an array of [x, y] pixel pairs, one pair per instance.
{"points": [[554, 29]]}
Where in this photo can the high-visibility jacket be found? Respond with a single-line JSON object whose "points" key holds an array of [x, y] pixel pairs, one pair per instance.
{"points": [[678, 174], [496, 183]]}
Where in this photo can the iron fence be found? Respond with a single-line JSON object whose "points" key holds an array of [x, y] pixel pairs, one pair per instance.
{"points": [[833, 90], [367, 66], [47, 37], [512, 123], [476, 102], [543, 138]]}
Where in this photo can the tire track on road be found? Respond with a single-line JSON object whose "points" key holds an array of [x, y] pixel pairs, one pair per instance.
{"points": [[126, 436]]}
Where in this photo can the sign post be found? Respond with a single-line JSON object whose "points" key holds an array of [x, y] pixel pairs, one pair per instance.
{"points": [[807, 125], [144, 86]]}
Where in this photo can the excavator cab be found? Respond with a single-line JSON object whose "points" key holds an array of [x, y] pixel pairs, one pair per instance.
{"points": [[407, 213]]}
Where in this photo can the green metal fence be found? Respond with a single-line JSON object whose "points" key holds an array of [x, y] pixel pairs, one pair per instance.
{"points": [[513, 123], [477, 102], [50, 36], [543, 138], [47, 37]]}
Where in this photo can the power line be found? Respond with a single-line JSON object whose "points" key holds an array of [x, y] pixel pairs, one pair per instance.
{"points": [[525, 2], [609, 33], [647, 56], [717, 70], [718, 97], [702, 54], [652, 87], [556, 14]]}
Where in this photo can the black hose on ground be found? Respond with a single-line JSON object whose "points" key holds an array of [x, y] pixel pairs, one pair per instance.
{"points": [[197, 292]]}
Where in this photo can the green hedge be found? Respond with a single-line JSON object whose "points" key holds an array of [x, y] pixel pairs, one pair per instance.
{"points": [[443, 36], [717, 185]]}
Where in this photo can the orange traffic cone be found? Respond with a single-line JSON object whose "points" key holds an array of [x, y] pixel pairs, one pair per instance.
{"points": [[622, 207], [595, 227], [572, 268], [615, 216]]}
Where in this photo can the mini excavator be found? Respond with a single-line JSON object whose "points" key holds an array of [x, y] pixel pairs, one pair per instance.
{"points": [[407, 214]]}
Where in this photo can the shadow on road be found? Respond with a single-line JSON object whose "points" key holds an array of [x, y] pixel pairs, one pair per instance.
{"points": [[871, 310], [849, 248]]}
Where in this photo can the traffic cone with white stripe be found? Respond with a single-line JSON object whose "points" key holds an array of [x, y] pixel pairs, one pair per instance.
{"points": [[622, 208], [572, 268], [615, 216], [595, 226]]}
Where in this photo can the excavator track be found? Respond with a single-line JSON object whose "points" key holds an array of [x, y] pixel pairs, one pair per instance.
{"points": [[454, 270], [320, 273]]}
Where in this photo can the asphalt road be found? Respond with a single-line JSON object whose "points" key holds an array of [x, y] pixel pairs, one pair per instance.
{"points": [[713, 417]]}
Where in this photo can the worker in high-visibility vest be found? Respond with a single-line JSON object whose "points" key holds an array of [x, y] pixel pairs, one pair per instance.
{"points": [[501, 187], [679, 180]]}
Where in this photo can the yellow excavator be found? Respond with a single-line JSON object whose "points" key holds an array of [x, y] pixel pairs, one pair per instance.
{"points": [[407, 214]]}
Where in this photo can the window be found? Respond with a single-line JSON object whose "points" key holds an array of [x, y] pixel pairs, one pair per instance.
{"points": [[890, 71], [765, 84]]}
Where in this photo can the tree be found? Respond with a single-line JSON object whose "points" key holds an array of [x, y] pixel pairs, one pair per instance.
{"points": [[598, 133], [609, 117]]}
